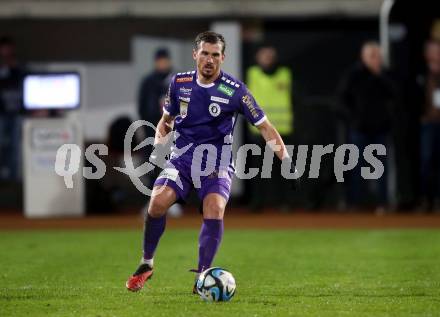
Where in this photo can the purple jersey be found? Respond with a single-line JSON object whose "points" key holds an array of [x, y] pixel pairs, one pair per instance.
{"points": [[206, 114]]}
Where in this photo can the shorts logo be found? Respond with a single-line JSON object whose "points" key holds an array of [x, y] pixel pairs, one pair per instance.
{"points": [[219, 99], [183, 109], [226, 90], [169, 173], [184, 79], [214, 109], [247, 100]]}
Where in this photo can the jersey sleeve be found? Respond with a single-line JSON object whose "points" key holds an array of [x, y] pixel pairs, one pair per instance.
{"points": [[249, 108], [170, 105]]}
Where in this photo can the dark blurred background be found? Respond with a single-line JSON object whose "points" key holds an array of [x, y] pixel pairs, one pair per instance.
{"points": [[114, 46]]}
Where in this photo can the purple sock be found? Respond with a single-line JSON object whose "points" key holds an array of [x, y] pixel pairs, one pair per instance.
{"points": [[209, 241], [154, 227]]}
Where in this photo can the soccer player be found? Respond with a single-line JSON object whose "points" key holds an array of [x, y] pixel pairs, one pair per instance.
{"points": [[201, 106]]}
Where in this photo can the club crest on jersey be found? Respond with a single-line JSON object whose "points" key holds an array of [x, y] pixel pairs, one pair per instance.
{"points": [[214, 109], [226, 90], [183, 109]]}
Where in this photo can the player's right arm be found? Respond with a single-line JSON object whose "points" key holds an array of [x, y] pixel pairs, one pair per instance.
{"points": [[170, 110], [161, 147], [164, 127]]}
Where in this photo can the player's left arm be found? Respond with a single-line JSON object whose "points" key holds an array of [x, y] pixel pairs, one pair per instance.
{"points": [[273, 139], [255, 115]]}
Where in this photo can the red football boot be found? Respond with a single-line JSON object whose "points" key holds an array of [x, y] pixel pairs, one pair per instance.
{"points": [[137, 280]]}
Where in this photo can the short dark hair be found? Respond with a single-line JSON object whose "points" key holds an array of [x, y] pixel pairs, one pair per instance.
{"points": [[161, 53], [210, 37]]}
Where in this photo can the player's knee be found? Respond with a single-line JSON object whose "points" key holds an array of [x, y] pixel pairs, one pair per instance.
{"points": [[161, 199], [157, 208], [213, 210]]}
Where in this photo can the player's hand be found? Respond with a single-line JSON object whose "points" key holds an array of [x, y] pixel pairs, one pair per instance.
{"points": [[159, 154], [295, 183]]}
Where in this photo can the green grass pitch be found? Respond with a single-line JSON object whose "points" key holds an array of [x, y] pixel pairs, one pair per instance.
{"points": [[278, 273]]}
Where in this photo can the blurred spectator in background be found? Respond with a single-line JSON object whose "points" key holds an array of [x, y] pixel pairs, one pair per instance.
{"points": [[368, 97], [153, 89], [152, 92], [151, 99], [429, 85], [271, 85], [11, 78]]}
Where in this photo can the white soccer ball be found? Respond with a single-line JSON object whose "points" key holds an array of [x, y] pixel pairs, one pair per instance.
{"points": [[216, 285]]}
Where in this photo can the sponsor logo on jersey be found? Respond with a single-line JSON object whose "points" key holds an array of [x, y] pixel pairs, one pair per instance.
{"points": [[219, 99], [184, 79], [247, 100], [183, 109], [226, 90], [214, 109], [185, 99], [185, 91]]}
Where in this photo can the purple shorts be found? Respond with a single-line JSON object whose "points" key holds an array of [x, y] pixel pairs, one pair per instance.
{"points": [[177, 175]]}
